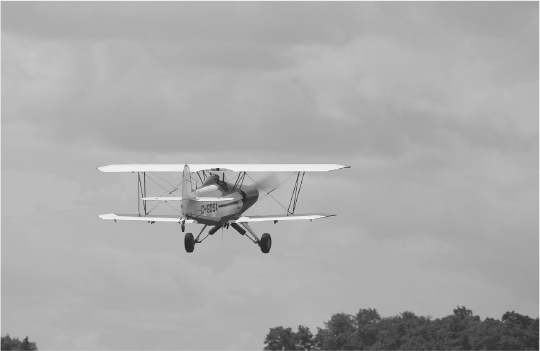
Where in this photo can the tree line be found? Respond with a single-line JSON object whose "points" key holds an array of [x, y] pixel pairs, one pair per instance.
{"points": [[9, 343], [366, 330]]}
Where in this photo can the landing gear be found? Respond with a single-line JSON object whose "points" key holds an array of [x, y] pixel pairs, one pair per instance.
{"points": [[265, 243], [189, 242]]}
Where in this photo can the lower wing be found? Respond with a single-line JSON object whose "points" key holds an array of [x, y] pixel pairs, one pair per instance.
{"points": [[243, 219], [160, 218], [310, 216], [197, 199]]}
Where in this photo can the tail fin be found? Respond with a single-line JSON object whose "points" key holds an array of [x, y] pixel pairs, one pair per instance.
{"points": [[185, 200]]}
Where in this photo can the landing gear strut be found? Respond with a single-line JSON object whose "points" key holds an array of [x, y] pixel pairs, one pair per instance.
{"points": [[265, 242]]}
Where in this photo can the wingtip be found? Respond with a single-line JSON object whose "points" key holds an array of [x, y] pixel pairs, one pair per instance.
{"points": [[107, 216], [341, 167]]}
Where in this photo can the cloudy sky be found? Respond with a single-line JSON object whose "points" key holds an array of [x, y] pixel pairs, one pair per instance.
{"points": [[434, 105]]}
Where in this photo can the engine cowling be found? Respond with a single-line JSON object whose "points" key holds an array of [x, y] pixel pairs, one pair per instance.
{"points": [[250, 195]]}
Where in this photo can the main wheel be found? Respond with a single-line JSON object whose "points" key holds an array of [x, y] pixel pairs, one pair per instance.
{"points": [[265, 243], [189, 242]]}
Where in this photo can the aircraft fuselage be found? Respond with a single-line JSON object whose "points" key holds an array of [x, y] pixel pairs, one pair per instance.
{"points": [[216, 212]]}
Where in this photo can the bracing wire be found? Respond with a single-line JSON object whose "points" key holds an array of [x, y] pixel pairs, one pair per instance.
{"points": [[268, 193], [167, 192]]}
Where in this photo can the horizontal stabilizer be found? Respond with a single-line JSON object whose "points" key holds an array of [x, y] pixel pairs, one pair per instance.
{"points": [[310, 216], [198, 199], [264, 167], [135, 217]]}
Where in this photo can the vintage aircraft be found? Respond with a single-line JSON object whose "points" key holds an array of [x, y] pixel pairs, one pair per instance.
{"points": [[216, 202]]}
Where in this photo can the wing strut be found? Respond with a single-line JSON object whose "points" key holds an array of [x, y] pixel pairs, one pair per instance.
{"points": [[141, 190], [239, 180], [295, 193]]}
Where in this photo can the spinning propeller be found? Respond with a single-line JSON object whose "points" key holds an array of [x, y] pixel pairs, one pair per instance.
{"points": [[268, 183]]}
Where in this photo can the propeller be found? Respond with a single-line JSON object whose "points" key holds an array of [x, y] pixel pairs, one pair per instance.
{"points": [[268, 183]]}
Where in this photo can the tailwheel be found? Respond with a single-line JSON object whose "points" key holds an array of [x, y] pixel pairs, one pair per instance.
{"points": [[265, 243], [189, 242]]}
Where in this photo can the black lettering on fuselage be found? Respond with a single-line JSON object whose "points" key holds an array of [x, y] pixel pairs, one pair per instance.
{"points": [[209, 208]]}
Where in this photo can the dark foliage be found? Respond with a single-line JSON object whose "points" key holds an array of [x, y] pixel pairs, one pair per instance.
{"points": [[280, 338], [461, 330], [9, 343]]}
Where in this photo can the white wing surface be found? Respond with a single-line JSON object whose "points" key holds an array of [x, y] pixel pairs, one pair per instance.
{"points": [[196, 167], [197, 199], [143, 168], [134, 217], [165, 198], [310, 216], [243, 219]]}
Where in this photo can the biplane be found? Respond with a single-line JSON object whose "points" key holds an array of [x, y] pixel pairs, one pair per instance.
{"points": [[216, 202]]}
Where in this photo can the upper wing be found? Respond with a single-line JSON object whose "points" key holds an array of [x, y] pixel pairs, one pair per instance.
{"points": [[274, 167], [143, 168], [223, 167], [310, 216], [134, 217]]}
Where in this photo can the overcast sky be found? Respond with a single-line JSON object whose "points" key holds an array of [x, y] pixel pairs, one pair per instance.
{"points": [[434, 105]]}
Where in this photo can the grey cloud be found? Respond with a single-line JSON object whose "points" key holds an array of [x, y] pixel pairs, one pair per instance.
{"points": [[245, 56], [285, 23], [491, 20], [279, 115], [159, 89], [278, 23]]}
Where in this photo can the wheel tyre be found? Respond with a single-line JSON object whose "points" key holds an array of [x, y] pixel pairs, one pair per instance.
{"points": [[265, 243], [189, 242]]}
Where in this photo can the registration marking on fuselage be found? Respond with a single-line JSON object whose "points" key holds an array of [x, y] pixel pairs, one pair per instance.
{"points": [[209, 208]]}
